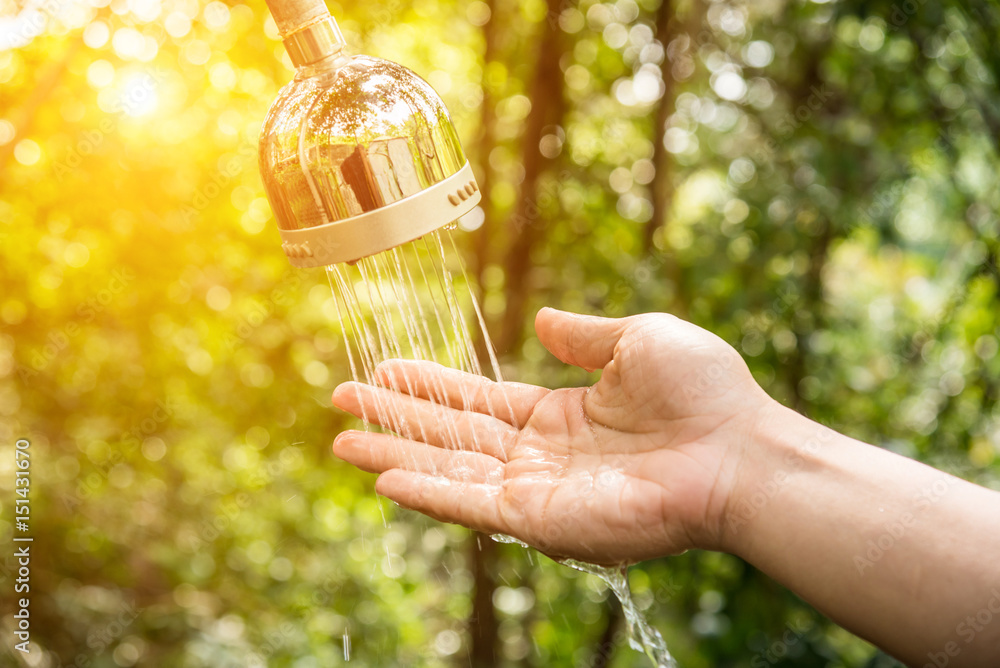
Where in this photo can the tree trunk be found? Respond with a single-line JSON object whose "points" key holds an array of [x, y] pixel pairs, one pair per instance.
{"points": [[662, 186], [546, 98], [482, 549], [605, 649], [484, 147], [809, 311], [812, 306], [482, 621], [483, 239]]}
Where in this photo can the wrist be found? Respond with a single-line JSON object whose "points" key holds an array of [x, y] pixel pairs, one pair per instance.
{"points": [[781, 445]]}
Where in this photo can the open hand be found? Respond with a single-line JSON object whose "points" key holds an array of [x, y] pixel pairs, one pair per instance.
{"points": [[639, 465]]}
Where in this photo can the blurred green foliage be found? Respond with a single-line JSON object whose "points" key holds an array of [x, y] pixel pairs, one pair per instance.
{"points": [[814, 181]]}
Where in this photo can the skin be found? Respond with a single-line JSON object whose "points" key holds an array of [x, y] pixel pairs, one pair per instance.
{"points": [[676, 447]]}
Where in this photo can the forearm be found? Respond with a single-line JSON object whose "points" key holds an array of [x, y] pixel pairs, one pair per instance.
{"points": [[895, 551]]}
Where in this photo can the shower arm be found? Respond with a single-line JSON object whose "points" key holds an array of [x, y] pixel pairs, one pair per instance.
{"points": [[308, 30]]}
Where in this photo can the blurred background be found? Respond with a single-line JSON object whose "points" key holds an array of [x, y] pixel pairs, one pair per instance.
{"points": [[814, 181]]}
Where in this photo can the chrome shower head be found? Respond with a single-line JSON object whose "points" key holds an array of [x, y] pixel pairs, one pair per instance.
{"points": [[357, 154]]}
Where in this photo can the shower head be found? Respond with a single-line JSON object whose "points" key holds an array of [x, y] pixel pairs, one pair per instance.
{"points": [[357, 154]]}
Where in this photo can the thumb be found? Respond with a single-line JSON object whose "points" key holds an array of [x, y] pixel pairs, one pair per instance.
{"points": [[586, 341]]}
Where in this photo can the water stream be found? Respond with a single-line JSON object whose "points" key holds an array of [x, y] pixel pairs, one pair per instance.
{"points": [[408, 303], [642, 637]]}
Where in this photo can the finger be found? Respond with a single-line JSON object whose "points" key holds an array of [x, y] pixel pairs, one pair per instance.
{"points": [[474, 505], [510, 402], [586, 341], [376, 453], [423, 420]]}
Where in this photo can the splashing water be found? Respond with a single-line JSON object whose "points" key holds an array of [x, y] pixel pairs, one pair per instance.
{"points": [[642, 637], [407, 303]]}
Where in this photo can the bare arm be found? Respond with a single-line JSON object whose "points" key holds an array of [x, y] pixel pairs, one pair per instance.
{"points": [[895, 551], [676, 447]]}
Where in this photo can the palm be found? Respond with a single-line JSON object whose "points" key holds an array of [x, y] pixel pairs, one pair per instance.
{"points": [[622, 471], [573, 487]]}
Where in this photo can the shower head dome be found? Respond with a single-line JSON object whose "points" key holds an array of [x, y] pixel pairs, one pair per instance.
{"points": [[359, 158]]}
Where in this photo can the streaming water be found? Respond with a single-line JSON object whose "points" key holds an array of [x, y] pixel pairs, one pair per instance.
{"points": [[641, 635], [408, 303]]}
